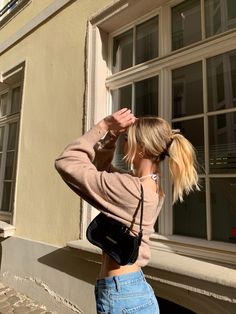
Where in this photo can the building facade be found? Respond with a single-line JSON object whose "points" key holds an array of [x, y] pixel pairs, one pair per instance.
{"points": [[64, 64]]}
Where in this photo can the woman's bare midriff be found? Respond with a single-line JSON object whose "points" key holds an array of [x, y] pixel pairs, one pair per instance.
{"points": [[110, 268]]}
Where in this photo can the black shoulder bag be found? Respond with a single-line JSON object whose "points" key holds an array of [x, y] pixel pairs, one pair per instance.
{"points": [[114, 237]]}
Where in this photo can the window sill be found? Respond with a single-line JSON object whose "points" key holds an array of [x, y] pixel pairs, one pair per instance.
{"points": [[177, 264], [221, 252], [6, 230]]}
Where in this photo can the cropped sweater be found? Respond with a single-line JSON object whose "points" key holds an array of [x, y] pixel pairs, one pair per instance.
{"points": [[85, 165]]}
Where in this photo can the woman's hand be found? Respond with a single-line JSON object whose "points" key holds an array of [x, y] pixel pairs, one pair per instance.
{"points": [[118, 122]]}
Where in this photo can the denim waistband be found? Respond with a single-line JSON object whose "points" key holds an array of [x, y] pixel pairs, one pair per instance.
{"points": [[112, 282]]}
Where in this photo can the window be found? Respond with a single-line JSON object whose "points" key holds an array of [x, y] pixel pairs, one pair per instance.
{"points": [[10, 7], [186, 24], [136, 45], [220, 16], [10, 104], [189, 25], [192, 88], [219, 131]]}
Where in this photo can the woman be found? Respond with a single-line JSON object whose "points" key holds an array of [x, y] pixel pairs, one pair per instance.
{"points": [[85, 165]]}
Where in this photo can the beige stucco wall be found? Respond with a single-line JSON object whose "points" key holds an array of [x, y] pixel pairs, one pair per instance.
{"points": [[52, 110]]}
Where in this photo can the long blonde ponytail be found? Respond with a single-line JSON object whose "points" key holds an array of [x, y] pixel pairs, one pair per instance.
{"points": [[182, 166], [158, 140]]}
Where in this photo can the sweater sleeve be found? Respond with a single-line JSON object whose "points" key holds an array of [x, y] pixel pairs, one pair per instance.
{"points": [[100, 188], [104, 152]]}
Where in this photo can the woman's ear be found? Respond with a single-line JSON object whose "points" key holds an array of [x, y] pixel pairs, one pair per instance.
{"points": [[140, 151]]}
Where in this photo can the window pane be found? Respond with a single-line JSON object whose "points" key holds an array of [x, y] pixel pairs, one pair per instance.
{"points": [[219, 16], [12, 136], [6, 196], [186, 24], [1, 137], [147, 40], [223, 202], [122, 98], [231, 11], [221, 79], [15, 100], [222, 140], [190, 215], [9, 166], [187, 90], [146, 97], [193, 130], [123, 51], [3, 105]]}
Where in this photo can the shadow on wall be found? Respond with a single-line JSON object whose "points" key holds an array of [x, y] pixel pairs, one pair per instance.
{"points": [[68, 261]]}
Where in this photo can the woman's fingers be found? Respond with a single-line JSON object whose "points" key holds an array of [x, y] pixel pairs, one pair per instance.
{"points": [[119, 120], [124, 117]]}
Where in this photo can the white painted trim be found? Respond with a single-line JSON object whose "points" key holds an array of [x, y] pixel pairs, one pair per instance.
{"points": [[32, 24], [136, 22], [188, 55], [6, 230], [193, 247]]}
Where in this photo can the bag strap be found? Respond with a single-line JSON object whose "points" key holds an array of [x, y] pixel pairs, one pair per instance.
{"points": [[141, 216], [140, 234]]}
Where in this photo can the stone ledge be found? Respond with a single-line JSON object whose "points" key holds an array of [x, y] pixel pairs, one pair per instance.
{"points": [[177, 264], [6, 230]]}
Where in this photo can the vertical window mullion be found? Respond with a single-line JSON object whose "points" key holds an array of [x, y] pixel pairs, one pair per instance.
{"points": [[133, 98], [206, 149], [165, 111], [165, 31], [134, 45], [203, 26]]}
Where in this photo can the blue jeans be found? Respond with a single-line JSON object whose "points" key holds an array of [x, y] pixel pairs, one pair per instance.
{"points": [[128, 293]]}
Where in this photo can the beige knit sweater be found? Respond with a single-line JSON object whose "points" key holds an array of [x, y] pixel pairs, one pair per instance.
{"points": [[110, 190]]}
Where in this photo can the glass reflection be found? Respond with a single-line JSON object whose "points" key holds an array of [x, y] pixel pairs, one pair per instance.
{"points": [[1, 137], [190, 216], [146, 97], [220, 16], [186, 24], [3, 105], [222, 143], [6, 196], [121, 98], [187, 90], [147, 40], [9, 166], [221, 81], [123, 51], [15, 101], [12, 136], [193, 130], [223, 206]]}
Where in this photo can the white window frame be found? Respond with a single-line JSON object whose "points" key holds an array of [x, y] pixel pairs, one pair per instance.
{"points": [[100, 81]]}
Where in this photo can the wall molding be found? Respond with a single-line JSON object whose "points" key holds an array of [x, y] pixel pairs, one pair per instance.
{"points": [[45, 14]]}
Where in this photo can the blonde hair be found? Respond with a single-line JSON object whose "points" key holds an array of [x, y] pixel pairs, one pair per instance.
{"points": [[158, 140]]}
